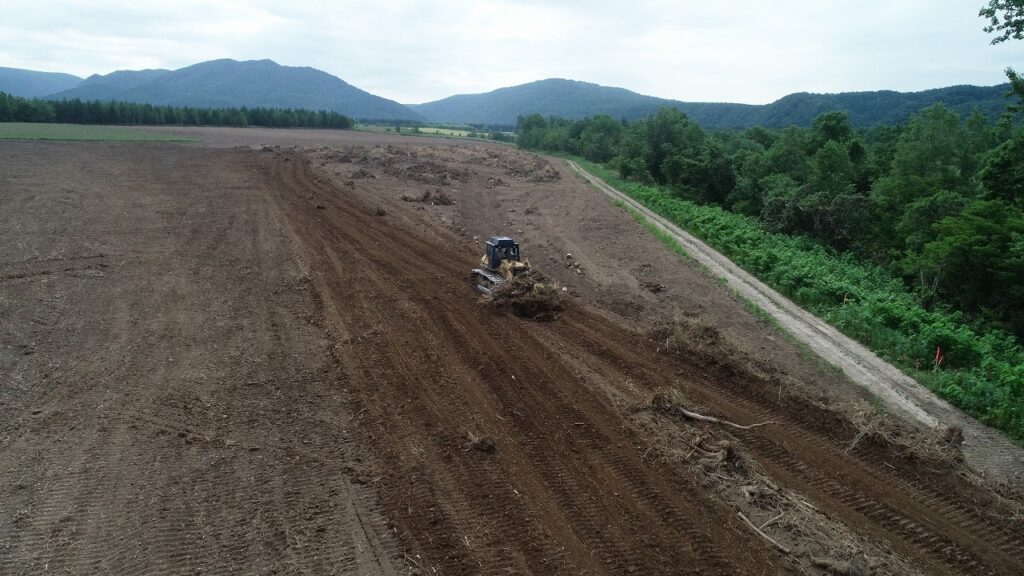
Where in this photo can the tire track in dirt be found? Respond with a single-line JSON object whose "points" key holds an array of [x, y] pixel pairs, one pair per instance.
{"points": [[339, 441], [578, 477], [525, 371], [364, 293], [177, 414], [625, 473], [867, 486]]}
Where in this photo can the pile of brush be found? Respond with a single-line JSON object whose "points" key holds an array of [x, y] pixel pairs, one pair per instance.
{"points": [[528, 295]]}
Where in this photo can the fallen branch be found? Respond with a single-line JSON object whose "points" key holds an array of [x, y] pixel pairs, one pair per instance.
{"points": [[662, 402], [772, 521], [711, 419], [762, 534]]}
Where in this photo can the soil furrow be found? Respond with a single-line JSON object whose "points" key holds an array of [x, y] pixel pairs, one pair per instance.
{"points": [[277, 368]]}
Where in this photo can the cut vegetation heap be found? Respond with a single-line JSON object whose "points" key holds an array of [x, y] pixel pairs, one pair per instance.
{"points": [[528, 295]]}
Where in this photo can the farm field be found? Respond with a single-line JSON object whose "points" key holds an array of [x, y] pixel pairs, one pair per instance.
{"points": [[438, 131], [258, 352], [444, 132], [37, 131]]}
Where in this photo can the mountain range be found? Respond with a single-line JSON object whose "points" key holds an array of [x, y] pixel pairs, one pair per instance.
{"points": [[573, 99], [231, 83], [32, 84]]}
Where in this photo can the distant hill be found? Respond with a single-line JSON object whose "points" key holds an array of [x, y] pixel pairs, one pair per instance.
{"points": [[109, 86], [32, 84], [574, 99], [230, 83], [551, 97], [884, 106]]}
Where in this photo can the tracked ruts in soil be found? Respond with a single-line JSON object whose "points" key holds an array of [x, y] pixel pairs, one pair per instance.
{"points": [[165, 405], [223, 361], [511, 383], [565, 491]]}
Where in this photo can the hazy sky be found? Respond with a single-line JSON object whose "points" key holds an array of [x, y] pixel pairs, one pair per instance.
{"points": [[738, 51]]}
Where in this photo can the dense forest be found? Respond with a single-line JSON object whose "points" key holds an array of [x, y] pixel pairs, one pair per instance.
{"points": [[15, 109], [938, 202], [909, 238]]}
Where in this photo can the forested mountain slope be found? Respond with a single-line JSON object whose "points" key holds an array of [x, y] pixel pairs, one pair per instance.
{"points": [[264, 83], [233, 84], [574, 100], [33, 84]]}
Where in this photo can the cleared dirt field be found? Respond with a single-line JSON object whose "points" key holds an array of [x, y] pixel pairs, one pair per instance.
{"points": [[267, 361]]}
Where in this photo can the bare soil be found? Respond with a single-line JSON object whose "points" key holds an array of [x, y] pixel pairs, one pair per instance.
{"points": [[248, 361]]}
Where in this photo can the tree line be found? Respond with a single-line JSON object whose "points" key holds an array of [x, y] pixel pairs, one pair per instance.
{"points": [[908, 238], [938, 202], [17, 109]]}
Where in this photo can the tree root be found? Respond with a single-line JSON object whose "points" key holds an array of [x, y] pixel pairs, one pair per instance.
{"points": [[665, 404], [762, 534], [711, 419]]}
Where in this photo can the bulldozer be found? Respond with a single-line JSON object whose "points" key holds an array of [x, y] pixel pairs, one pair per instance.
{"points": [[500, 262]]}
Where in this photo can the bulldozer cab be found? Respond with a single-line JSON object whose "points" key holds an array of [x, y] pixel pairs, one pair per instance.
{"points": [[501, 248]]}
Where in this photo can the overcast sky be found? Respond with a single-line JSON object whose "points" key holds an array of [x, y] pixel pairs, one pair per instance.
{"points": [[738, 51]]}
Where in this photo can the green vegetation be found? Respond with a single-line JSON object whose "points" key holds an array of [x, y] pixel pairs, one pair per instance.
{"points": [[28, 131], [909, 239], [673, 245], [937, 203], [15, 109], [443, 132], [1005, 17], [439, 130], [983, 369]]}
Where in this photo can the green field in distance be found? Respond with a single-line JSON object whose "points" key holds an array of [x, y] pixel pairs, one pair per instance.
{"points": [[40, 131]]}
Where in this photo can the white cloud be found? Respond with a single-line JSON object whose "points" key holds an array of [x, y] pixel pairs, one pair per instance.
{"points": [[742, 51]]}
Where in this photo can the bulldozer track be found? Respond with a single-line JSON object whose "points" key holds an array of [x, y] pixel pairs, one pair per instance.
{"points": [[943, 536], [926, 529], [566, 486], [284, 379]]}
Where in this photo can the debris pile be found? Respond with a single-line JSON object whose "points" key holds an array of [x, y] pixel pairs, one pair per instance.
{"points": [[528, 295], [708, 450], [532, 168]]}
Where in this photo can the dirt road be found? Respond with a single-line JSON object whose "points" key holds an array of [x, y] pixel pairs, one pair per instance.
{"points": [[985, 449], [239, 361]]}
